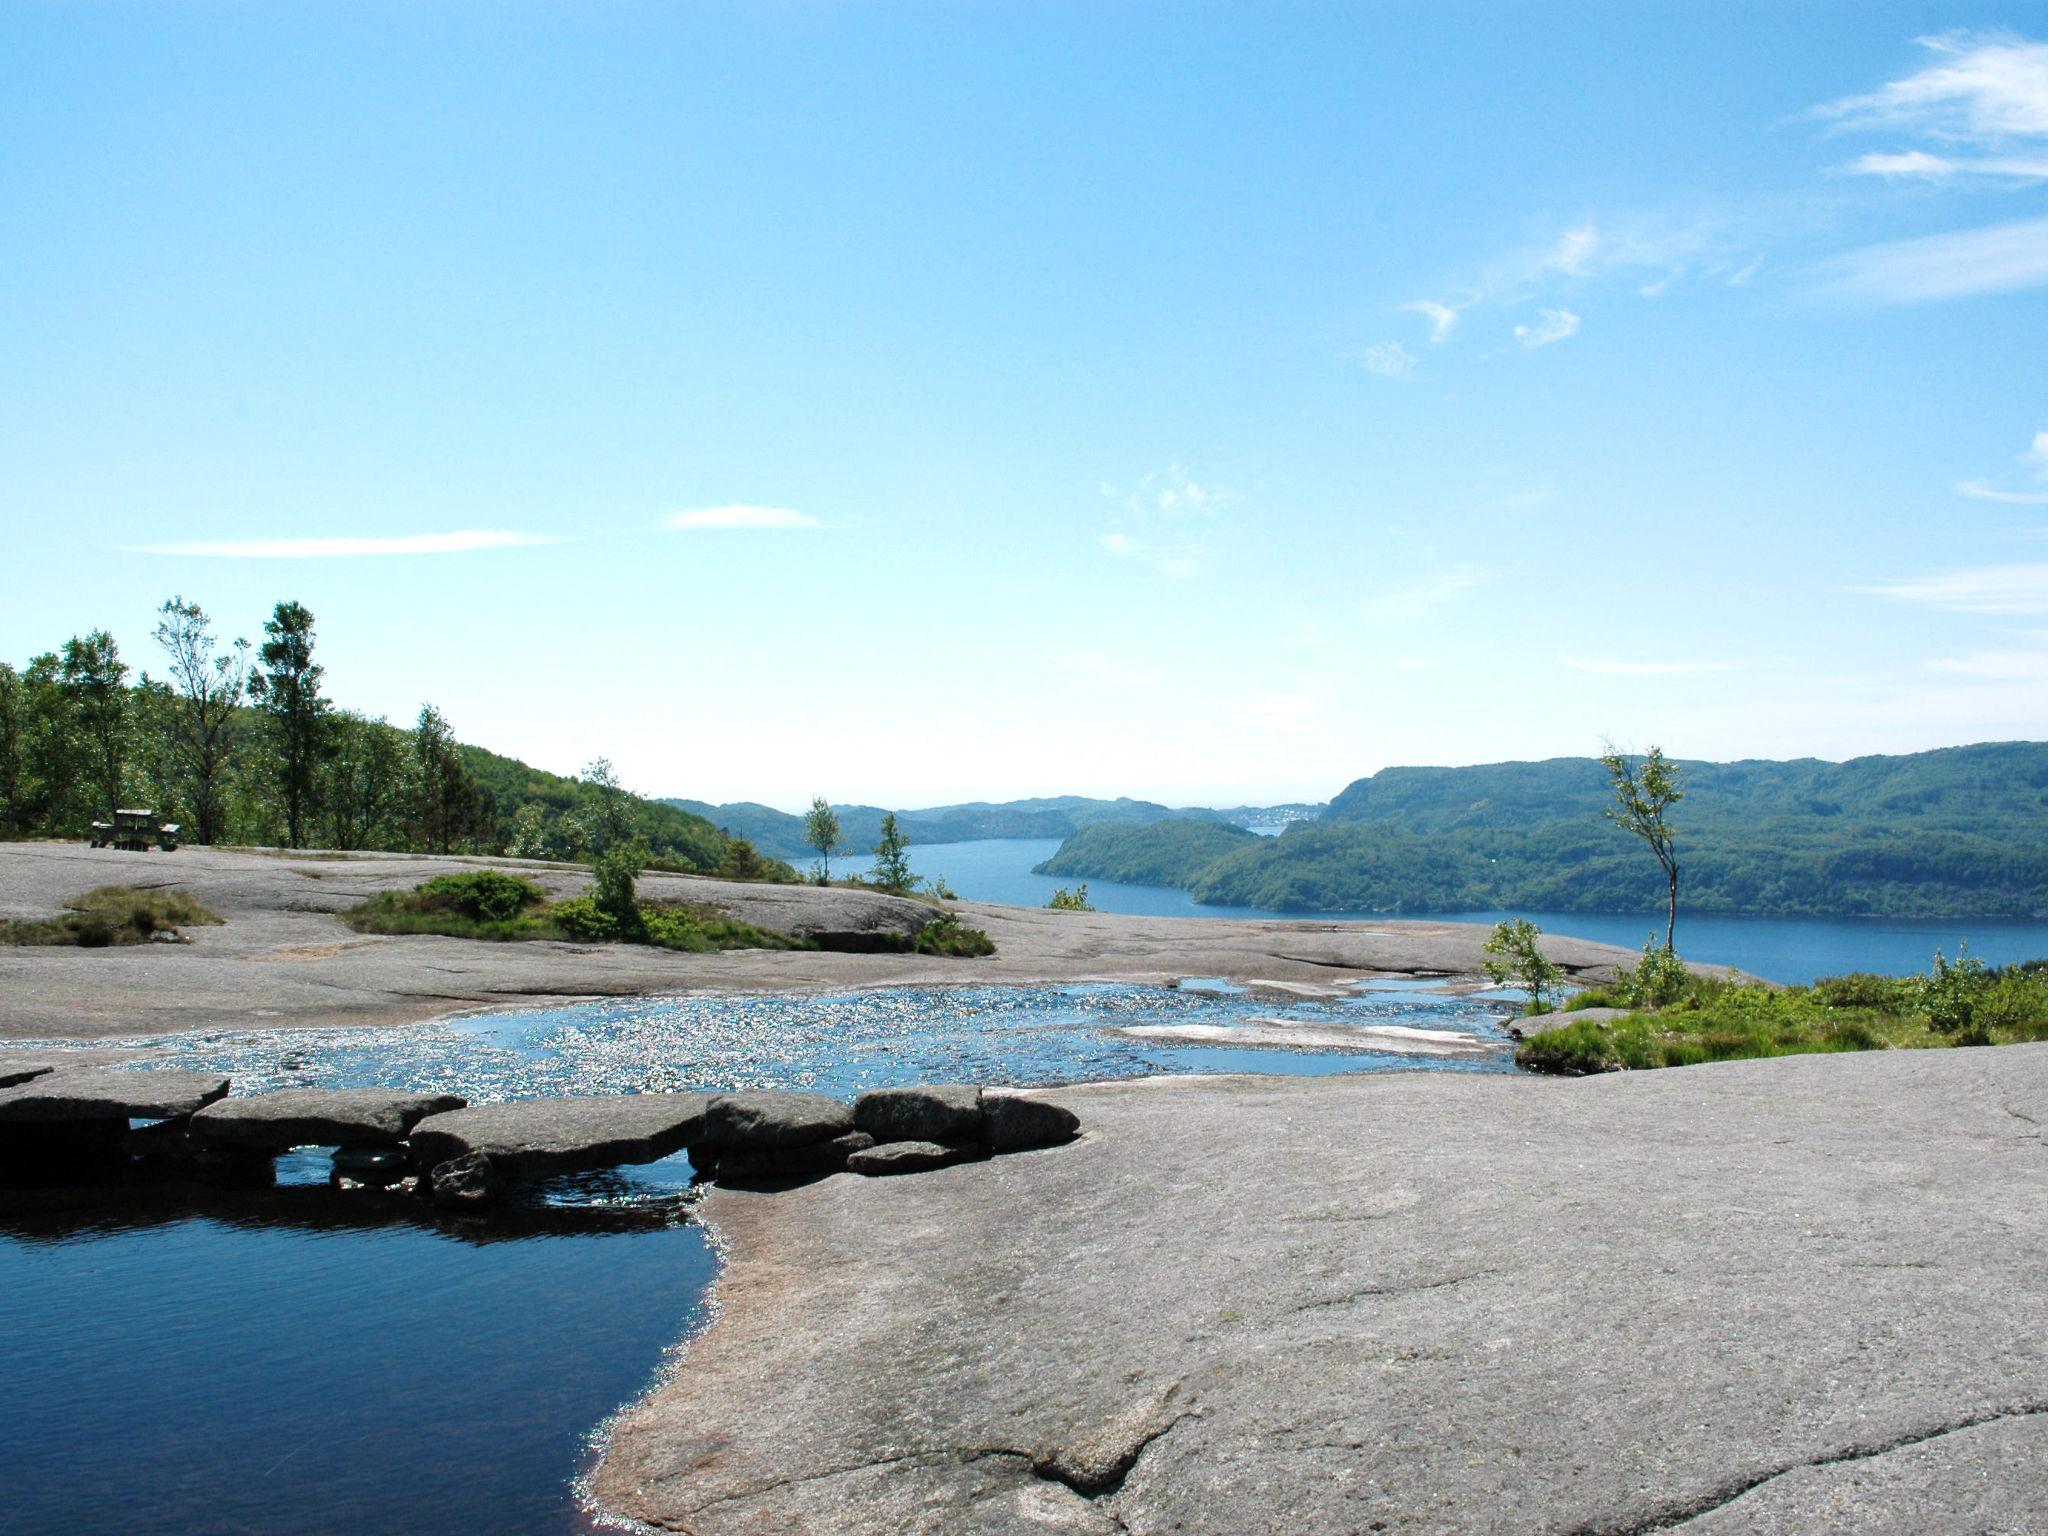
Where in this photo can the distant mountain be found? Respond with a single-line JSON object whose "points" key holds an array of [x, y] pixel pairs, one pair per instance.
{"points": [[782, 834], [1960, 832]]}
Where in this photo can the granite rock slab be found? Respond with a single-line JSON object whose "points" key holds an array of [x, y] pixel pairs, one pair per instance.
{"points": [[532, 1138], [319, 1117], [109, 1093]]}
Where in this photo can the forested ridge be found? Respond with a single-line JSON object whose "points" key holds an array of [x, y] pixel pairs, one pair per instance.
{"points": [[244, 744], [1958, 832]]}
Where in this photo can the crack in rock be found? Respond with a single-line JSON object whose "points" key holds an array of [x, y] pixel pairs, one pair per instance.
{"points": [[1369, 1291], [1679, 1513]]}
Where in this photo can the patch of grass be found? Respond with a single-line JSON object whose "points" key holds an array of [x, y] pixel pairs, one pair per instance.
{"points": [[112, 915], [489, 905], [1724, 1021], [945, 934]]}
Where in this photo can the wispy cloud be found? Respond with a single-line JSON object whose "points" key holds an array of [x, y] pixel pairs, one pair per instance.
{"points": [[1606, 667], [1999, 258], [1918, 165], [2035, 459], [740, 517], [1574, 251], [464, 541], [2008, 664], [1442, 317], [1551, 325], [1987, 589], [1165, 520], [1428, 595], [1524, 501], [1390, 360]]}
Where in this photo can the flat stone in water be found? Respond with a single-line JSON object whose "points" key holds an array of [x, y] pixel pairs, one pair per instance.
{"points": [[771, 1118], [109, 1093], [319, 1117], [531, 1138]]}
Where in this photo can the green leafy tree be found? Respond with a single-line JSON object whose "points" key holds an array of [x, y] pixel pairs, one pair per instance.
{"points": [[534, 835], [1514, 959], [741, 861], [1643, 798], [287, 687], [208, 686], [607, 817], [94, 680], [363, 782], [614, 884], [13, 701], [821, 831], [892, 858], [49, 750], [444, 800]]}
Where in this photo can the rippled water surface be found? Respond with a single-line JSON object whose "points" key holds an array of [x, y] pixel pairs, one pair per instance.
{"points": [[303, 1359]]}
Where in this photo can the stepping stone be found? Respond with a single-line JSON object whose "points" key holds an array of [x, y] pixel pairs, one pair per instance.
{"points": [[919, 1114], [108, 1093], [1013, 1123], [904, 1157], [772, 1118], [785, 1162], [318, 1117], [535, 1137]]}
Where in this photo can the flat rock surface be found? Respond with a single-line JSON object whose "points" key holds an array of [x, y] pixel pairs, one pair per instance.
{"points": [[318, 1117], [109, 1093], [531, 1138], [1801, 1294], [283, 957], [772, 1117]]}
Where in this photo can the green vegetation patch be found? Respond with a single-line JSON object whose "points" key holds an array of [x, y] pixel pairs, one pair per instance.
{"points": [[1960, 1002], [945, 934], [113, 914]]}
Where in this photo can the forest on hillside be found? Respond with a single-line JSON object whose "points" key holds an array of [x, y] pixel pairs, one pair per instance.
{"points": [[1959, 832], [244, 744]]}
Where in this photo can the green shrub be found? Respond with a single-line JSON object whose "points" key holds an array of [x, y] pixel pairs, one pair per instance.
{"points": [[945, 934], [485, 895], [1861, 989], [582, 919], [614, 882], [1076, 900], [1658, 980], [1514, 959]]}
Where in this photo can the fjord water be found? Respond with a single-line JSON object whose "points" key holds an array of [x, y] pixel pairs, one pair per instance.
{"points": [[312, 1360], [1781, 949]]}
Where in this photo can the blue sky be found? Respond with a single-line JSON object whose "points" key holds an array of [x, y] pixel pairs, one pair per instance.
{"points": [[920, 403]]}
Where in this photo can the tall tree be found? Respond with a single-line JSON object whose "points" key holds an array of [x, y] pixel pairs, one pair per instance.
{"points": [[13, 709], [608, 813], [209, 686], [443, 791], [49, 750], [95, 683], [1643, 797], [892, 859], [821, 831], [362, 781], [287, 686]]}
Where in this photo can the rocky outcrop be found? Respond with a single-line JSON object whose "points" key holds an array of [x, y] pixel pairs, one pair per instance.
{"points": [[919, 1113], [318, 1117], [468, 1180], [1011, 1122], [532, 1138], [772, 1118], [108, 1094]]}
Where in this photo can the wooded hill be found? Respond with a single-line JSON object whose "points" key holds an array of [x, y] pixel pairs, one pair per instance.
{"points": [[1959, 832]]}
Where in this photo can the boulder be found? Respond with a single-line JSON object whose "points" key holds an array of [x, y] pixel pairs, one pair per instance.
{"points": [[109, 1093], [905, 1157], [532, 1138], [319, 1117], [468, 1180], [378, 1165], [1012, 1123], [919, 1114], [772, 1118], [739, 1164]]}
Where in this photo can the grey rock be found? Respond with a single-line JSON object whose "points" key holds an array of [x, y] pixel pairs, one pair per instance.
{"points": [[936, 1113], [319, 1117], [1544, 1023], [905, 1157], [1013, 1123], [739, 1164], [469, 1180], [535, 1137], [372, 1165], [109, 1093], [772, 1118]]}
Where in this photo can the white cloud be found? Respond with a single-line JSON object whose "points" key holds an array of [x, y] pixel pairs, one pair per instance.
{"points": [[1165, 520], [1988, 589], [1604, 667], [1426, 596], [1999, 258], [2006, 665], [1574, 251], [1926, 167], [1982, 89], [462, 542], [740, 517], [1552, 325], [2035, 458], [1442, 317], [1390, 360]]}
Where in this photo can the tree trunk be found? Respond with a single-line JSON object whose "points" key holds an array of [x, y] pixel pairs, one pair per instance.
{"points": [[1671, 920]]}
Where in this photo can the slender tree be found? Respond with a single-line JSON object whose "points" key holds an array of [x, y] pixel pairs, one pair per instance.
{"points": [[287, 686], [443, 791], [13, 702], [608, 819], [1643, 797], [821, 831], [95, 682], [208, 688], [892, 859]]}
